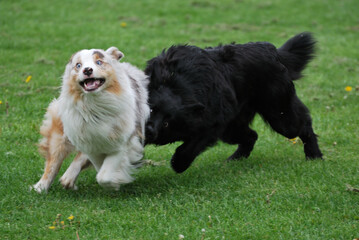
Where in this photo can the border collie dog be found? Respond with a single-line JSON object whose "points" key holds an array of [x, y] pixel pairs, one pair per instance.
{"points": [[201, 95], [101, 112]]}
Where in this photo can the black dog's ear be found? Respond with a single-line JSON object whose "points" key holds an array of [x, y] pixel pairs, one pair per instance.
{"points": [[192, 113], [191, 104], [193, 107]]}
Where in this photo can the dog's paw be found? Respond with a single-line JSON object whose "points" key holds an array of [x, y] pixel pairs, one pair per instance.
{"points": [[40, 187], [318, 156], [180, 165], [113, 180], [68, 182], [112, 186], [239, 155], [312, 153]]}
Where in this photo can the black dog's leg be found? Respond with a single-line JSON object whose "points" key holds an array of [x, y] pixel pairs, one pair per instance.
{"points": [[243, 136], [295, 121], [245, 146], [188, 151], [238, 132], [309, 138]]}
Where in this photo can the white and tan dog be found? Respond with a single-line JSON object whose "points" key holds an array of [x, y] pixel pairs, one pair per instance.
{"points": [[101, 113]]}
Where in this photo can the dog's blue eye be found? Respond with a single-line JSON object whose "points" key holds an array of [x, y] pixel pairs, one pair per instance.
{"points": [[99, 62], [78, 65]]}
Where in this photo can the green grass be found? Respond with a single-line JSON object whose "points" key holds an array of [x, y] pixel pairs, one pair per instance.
{"points": [[274, 194]]}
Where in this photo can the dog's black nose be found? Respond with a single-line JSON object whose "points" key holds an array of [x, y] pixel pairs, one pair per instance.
{"points": [[88, 71]]}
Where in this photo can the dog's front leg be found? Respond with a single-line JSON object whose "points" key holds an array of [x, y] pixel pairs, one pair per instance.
{"points": [[57, 148], [80, 162], [188, 151], [54, 146], [115, 170]]}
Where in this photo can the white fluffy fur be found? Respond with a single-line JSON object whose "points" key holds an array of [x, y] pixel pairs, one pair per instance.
{"points": [[106, 124]]}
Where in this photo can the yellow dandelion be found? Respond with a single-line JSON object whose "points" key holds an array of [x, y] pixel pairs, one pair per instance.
{"points": [[348, 88], [71, 218], [0, 102], [52, 227], [293, 140], [123, 24], [28, 78], [62, 223]]}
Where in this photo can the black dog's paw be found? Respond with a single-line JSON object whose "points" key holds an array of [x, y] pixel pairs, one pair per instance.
{"points": [[236, 157], [312, 151], [314, 155], [240, 153], [180, 165]]}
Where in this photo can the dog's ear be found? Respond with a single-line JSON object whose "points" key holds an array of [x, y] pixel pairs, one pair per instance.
{"points": [[115, 53], [192, 113], [191, 104], [195, 107]]}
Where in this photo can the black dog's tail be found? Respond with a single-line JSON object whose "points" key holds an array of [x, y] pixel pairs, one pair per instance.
{"points": [[297, 52]]}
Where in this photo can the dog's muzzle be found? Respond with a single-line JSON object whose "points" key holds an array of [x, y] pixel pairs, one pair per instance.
{"points": [[91, 84], [151, 133]]}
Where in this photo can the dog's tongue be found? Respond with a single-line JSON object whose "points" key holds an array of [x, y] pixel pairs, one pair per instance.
{"points": [[92, 84]]}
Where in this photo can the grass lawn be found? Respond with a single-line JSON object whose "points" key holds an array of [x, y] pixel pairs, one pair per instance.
{"points": [[274, 194]]}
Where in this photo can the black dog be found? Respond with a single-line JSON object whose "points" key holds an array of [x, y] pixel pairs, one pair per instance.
{"points": [[201, 95]]}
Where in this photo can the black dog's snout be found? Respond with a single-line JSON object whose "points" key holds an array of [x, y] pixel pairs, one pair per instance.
{"points": [[149, 128], [88, 71], [150, 132]]}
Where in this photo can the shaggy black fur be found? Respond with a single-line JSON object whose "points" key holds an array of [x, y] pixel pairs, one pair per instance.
{"points": [[201, 95]]}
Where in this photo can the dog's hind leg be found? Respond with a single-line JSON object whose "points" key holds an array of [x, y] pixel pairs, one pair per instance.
{"points": [[80, 162], [294, 120], [189, 150], [309, 138], [238, 132], [243, 136], [247, 139], [54, 146]]}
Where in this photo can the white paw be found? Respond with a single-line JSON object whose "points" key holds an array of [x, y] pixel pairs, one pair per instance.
{"points": [[68, 182], [40, 187], [113, 180], [109, 185]]}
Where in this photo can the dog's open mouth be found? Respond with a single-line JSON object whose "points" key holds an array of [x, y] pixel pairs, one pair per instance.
{"points": [[91, 84]]}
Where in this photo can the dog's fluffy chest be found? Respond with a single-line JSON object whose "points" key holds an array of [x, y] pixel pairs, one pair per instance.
{"points": [[97, 124]]}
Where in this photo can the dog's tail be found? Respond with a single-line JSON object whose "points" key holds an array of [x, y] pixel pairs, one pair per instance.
{"points": [[297, 52]]}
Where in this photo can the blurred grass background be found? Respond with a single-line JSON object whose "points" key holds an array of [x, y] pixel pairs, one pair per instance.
{"points": [[274, 194]]}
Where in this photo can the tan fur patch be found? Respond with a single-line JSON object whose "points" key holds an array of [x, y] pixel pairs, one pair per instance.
{"points": [[98, 55], [116, 132], [74, 88], [139, 133], [52, 124], [113, 84]]}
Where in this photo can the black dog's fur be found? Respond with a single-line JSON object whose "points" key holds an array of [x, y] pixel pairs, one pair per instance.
{"points": [[201, 95]]}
